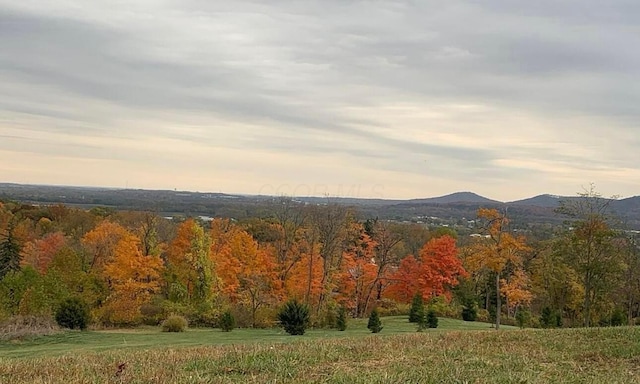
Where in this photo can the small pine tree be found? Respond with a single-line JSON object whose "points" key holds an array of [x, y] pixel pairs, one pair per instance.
{"points": [[469, 311], [227, 322], [523, 317], [417, 309], [374, 325], [342, 319], [294, 317], [422, 323], [550, 319], [618, 318], [432, 319], [73, 314]]}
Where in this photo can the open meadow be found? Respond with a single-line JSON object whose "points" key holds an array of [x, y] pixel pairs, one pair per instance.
{"points": [[457, 352]]}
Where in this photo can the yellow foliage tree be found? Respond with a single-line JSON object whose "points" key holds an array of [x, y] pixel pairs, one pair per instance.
{"points": [[495, 250]]}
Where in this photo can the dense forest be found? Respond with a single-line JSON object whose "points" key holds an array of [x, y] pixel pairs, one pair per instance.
{"points": [[133, 268]]}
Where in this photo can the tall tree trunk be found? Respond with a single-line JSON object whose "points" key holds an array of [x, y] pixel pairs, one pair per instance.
{"points": [[310, 277], [587, 302], [498, 301]]}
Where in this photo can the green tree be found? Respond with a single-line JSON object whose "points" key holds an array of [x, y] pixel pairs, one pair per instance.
{"points": [[9, 254], [374, 324], [73, 313], [523, 317], [15, 285], [294, 317], [469, 310], [550, 318], [227, 322], [416, 313], [590, 247], [432, 319], [342, 319]]}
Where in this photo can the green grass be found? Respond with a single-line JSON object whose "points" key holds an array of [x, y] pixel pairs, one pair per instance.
{"points": [[531, 356], [73, 342]]}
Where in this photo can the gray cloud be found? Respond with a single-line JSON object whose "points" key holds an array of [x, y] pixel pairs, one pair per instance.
{"points": [[317, 78]]}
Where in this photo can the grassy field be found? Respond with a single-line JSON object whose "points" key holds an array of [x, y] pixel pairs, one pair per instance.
{"points": [[451, 354], [151, 337]]}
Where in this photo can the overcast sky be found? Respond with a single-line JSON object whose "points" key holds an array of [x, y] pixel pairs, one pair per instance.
{"points": [[385, 99]]}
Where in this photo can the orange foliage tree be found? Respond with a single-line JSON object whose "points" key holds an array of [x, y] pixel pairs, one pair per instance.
{"points": [[246, 273], [304, 281], [133, 278], [435, 272], [516, 289], [40, 252], [358, 275]]}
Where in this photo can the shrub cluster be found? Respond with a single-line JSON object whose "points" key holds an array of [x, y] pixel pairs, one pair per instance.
{"points": [[174, 323]]}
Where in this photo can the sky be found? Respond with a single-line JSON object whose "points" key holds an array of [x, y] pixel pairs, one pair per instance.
{"points": [[377, 99]]}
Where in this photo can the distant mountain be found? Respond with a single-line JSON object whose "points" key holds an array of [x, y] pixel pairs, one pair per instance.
{"points": [[450, 208], [628, 208], [628, 204], [458, 197], [547, 201]]}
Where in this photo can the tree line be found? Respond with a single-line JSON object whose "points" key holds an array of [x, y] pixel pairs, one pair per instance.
{"points": [[132, 267]]}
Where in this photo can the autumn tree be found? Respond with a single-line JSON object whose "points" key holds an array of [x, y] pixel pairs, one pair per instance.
{"points": [[146, 226], [304, 281], [246, 273], [517, 290], [358, 273], [441, 266], [331, 224], [387, 239], [496, 250], [190, 269], [40, 252], [133, 278], [405, 280], [590, 247], [413, 238], [100, 244], [434, 273], [290, 220]]}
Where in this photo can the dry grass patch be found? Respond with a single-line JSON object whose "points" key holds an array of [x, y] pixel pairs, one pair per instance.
{"points": [[27, 327]]}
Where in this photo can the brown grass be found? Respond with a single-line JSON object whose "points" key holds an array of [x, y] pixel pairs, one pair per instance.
{"points": [[27, 327]]}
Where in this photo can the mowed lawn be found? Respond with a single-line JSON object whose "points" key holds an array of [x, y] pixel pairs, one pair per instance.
{"points": [[456, 353], [151, 337]]}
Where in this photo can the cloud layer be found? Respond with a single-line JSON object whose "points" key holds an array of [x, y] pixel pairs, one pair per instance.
{"points": [[368, 99]]}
